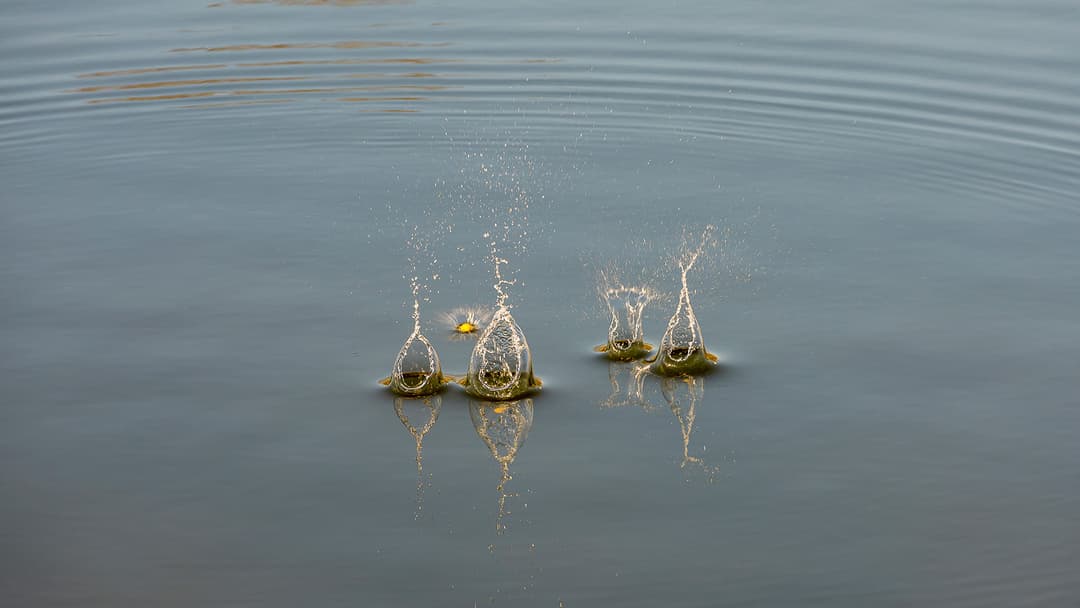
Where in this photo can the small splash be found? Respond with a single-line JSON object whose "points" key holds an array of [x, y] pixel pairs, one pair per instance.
{"points": [[430, 406], [683, 395], [417, 371], [500, 366], [501, 363], [682, 349], [503, 428], [466, 322], [626, 334]]}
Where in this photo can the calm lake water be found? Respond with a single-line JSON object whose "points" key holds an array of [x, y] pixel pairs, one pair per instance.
{"points": [[208, 213]]}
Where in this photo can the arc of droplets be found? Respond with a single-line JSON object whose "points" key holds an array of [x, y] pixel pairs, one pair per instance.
{"points": [[434, 404]]}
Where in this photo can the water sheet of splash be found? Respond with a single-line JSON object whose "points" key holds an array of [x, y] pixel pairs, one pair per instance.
{"points": [[682, 349], [417, 370], [626, 333], [501, 363]]}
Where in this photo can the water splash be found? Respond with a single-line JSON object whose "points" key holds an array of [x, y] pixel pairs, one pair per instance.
{"points": [[503, 428], [682, 349], [501, 363], [684, 407], [417, 370], [432, 405], [626, 334], [466, 322]]}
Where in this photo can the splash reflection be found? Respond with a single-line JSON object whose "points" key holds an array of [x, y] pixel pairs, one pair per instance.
{"points": [[502, 426], [683, 394], [627, 387], [420, 407]]}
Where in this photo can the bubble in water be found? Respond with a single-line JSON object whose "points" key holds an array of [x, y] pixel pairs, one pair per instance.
{"points": [[501, 364], [682, 349], [503, 428], [425, 406]]}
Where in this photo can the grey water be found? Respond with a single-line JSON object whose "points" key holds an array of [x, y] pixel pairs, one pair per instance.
{"points": [[205, 210]]}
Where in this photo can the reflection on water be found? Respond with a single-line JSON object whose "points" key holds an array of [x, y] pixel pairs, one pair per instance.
{"points": [[683, 395], [411, 60], [345, 44], [624, 374], [421, 407], [502, 426], [328, 83], [317, 2], [137, 71]]}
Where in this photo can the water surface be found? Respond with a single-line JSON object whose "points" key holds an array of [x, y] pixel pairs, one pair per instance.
{"points": [[205, 223]]}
